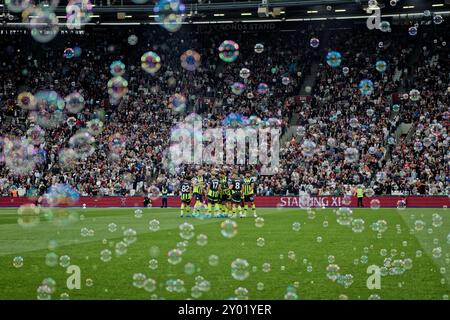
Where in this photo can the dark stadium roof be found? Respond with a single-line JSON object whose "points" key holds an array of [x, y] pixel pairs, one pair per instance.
{"points": [[106, 11]]}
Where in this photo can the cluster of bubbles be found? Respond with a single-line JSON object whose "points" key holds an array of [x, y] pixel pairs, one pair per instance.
{"points": [[46, 289], [78, 13], [170, 14], [344, 216]]}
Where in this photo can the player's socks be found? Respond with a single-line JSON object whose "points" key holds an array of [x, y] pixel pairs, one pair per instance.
{"points": [[182, 210], [196, 205], [188, 210], [209, 207], [246, 209], [216, 209], [254, 210], [240, 211]]}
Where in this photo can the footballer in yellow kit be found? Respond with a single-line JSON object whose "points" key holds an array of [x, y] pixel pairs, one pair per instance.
{"points": [[248, 193]]}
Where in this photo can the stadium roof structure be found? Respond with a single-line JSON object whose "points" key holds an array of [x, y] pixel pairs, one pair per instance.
{"points": [[129, 12]]}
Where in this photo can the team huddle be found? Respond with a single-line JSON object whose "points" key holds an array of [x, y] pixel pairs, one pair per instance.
{"points": [[226, 194]]}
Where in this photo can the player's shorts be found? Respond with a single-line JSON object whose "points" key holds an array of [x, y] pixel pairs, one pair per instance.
{"points": [[225, 197], [236, 197], [198, 196], [249, 198], [186, 200], [213, 200]]}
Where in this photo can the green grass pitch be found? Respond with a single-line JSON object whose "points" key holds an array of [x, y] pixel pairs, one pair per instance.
{"points": [[429, 277]]}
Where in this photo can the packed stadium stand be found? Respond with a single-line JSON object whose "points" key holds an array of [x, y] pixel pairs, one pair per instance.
{"points": [[333, 137]]}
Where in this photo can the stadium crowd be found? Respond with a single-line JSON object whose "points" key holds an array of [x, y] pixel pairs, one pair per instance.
{"points": [[344, 138]]}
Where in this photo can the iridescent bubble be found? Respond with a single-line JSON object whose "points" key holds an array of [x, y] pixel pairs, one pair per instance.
{"points": [[401, 204], [308, 148], [51, 259], [437, 220], [334, 59], [244, 73], [259, 48], [17, 5], [132, 40], [18, 262], [237, 88], [138, 213], [263, 88], [228, 51], [213, 260], [105, 255], [43, 292], [69, 53], [202, 240], [186, 230], [190, 60], [78, 13], [344, 216], [351, 155], [414, 95], [139, 280], [412, 31], [153, 225], [64, 261], [121, 248], [240, 269], [314, 42], [189, 268], [385, 26], [170, 14], [266, 267], [296, 226], [345, 70], [117, 68], [174, 256], [358, 225], [94, 127], [82, 144], [153, 264], [228, 228], [260, 242], [375, 204], [117, 87], [112, 227], [332, 271], [129, 236], [437, 19], [150, 62], [177, 102], [49, 109], [43, 24], [366, 86], [26, 100], [395, 107], [28, 215], [149, 285], [381, 66]]}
